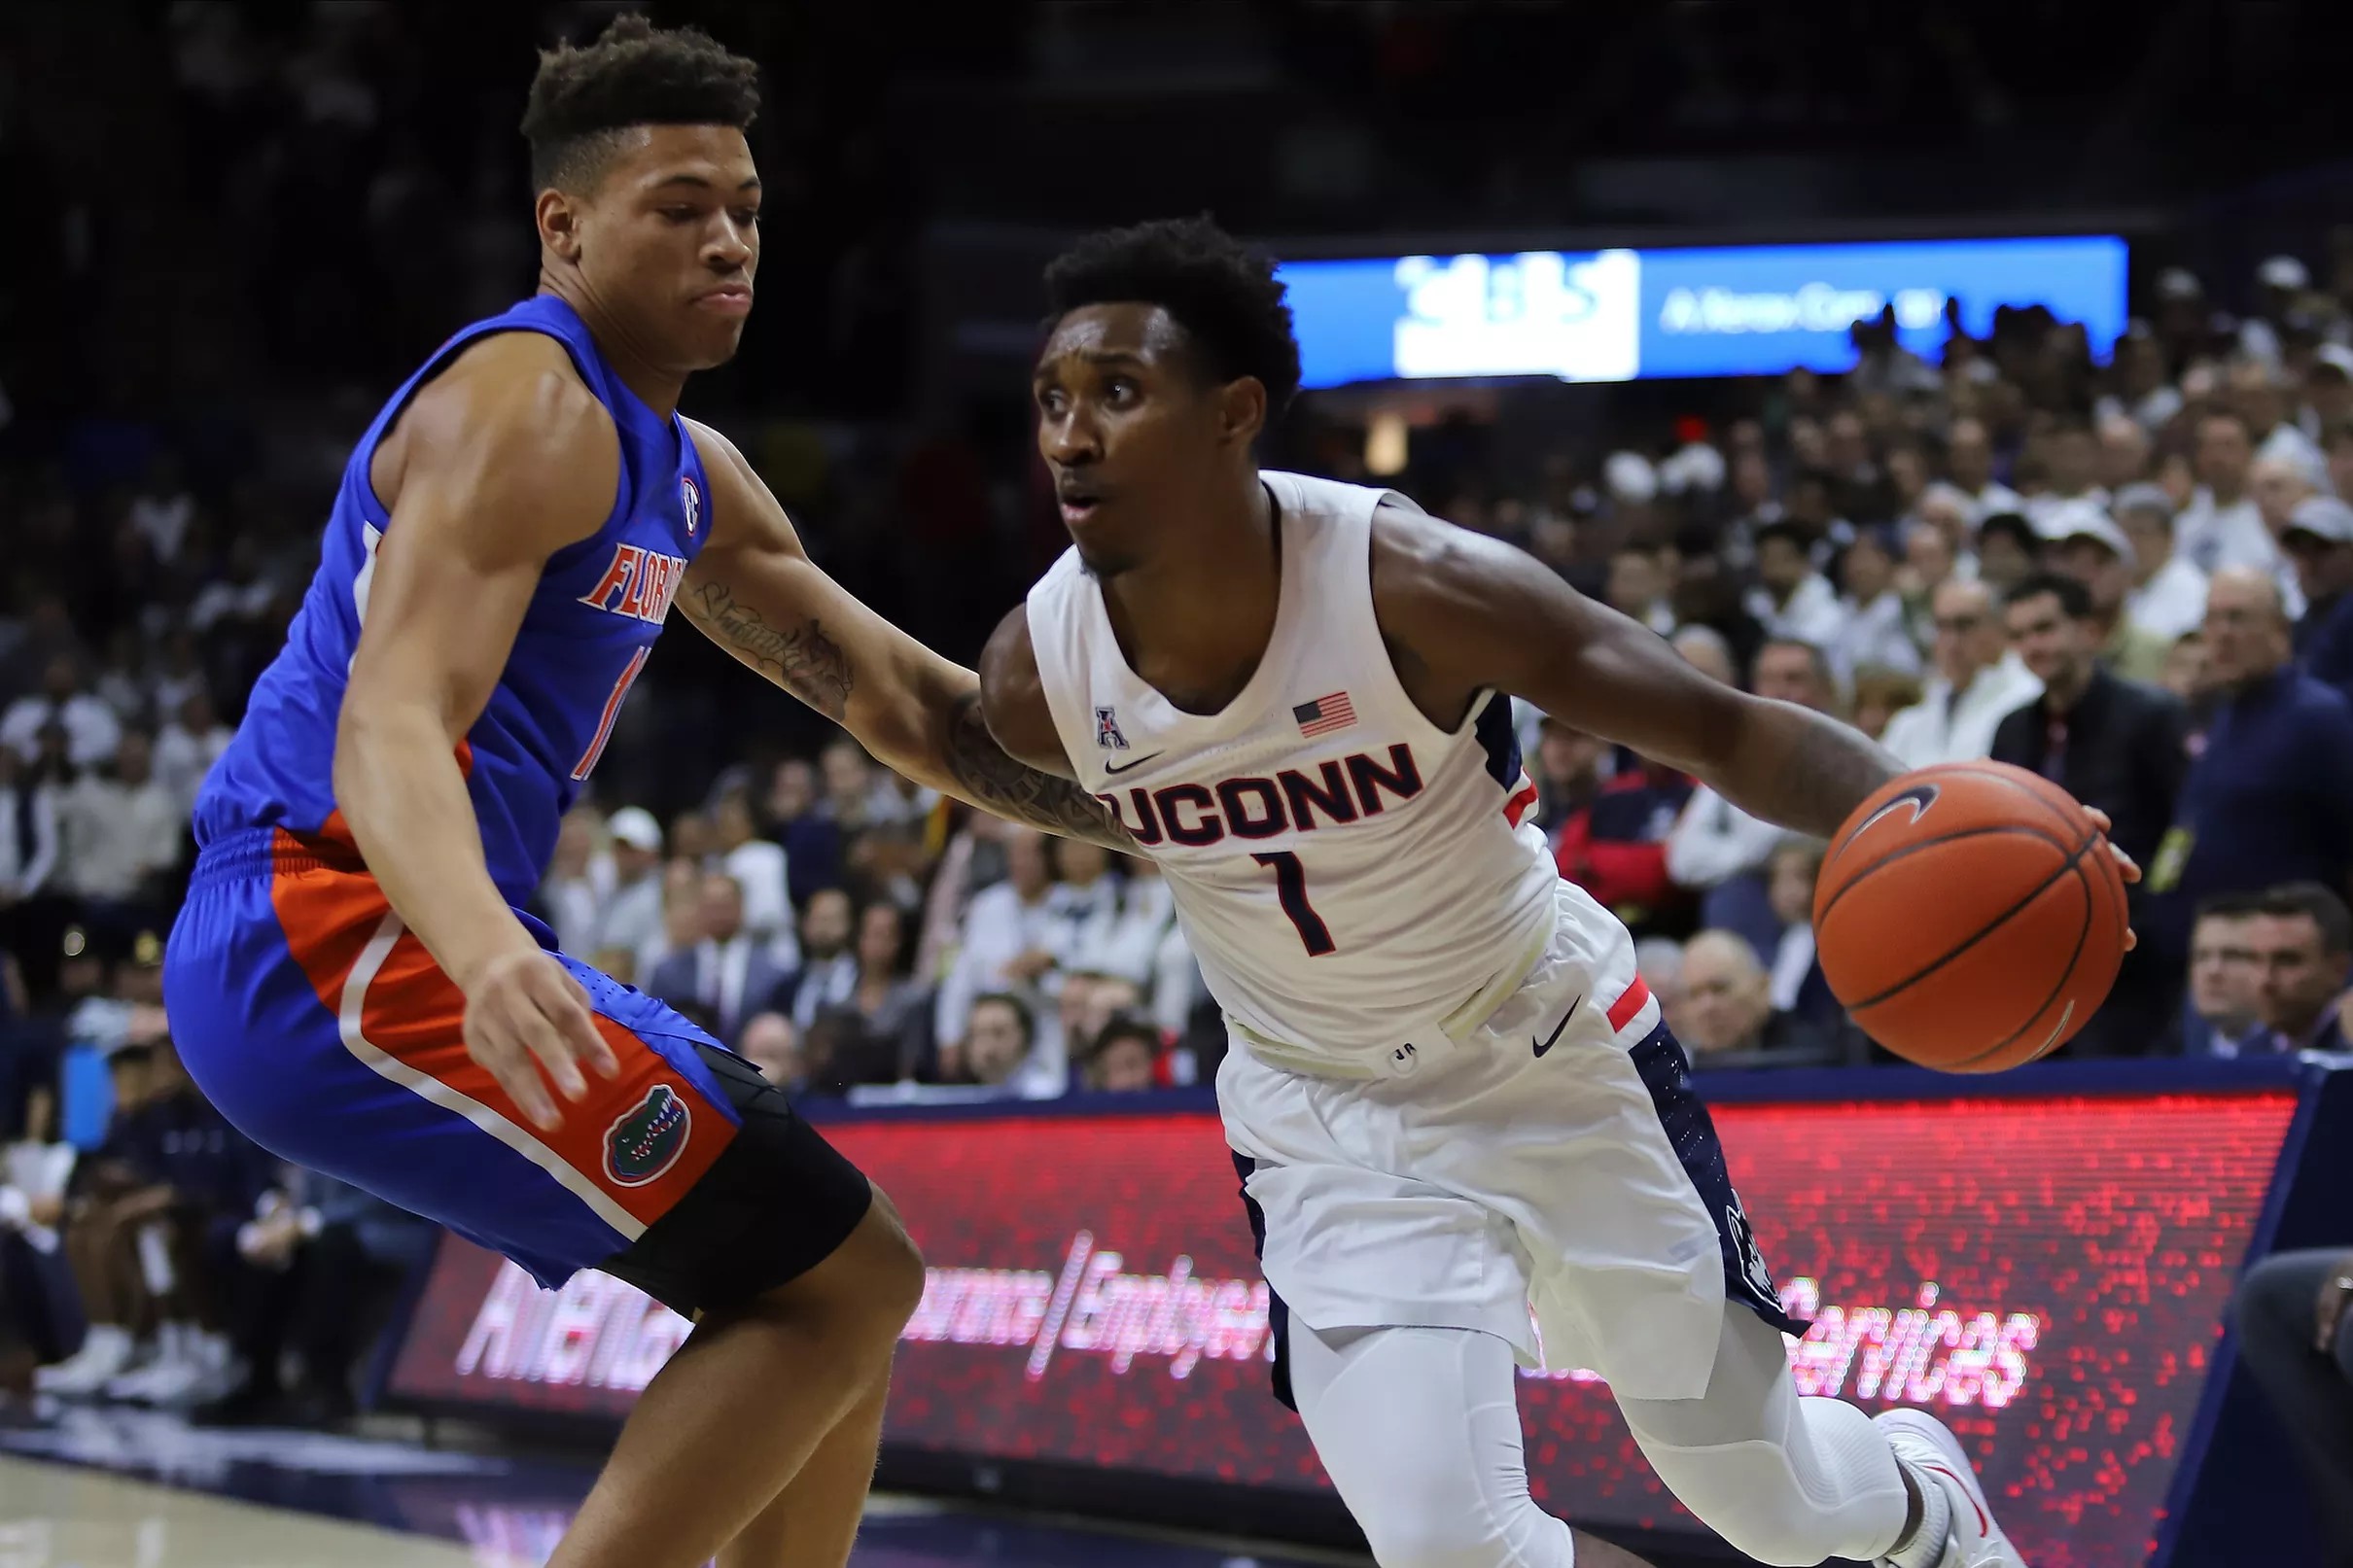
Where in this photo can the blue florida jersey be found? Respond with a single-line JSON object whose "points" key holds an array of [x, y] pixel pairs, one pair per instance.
{"points": [[590, 624]]}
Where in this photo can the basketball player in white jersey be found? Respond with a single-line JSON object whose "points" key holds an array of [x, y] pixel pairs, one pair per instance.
{"points": [[1450, 1094]]}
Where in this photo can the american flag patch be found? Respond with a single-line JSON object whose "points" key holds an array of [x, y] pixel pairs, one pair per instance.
{"points": [[1324, 714]]}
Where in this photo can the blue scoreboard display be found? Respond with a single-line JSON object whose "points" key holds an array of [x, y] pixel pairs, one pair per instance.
{"points": [[1624, 315]]}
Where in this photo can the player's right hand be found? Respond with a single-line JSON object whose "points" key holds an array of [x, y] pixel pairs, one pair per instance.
{"points": [[529, 1025]]}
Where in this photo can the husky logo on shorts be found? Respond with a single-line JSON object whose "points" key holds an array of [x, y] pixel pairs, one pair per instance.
{"points": [[1752, 1256], [1106, 730], [646, 1140]]}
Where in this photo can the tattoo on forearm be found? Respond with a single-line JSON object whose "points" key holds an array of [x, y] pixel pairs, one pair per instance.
{"points": [[802, 659], [1013, 788], [1807, 772]]}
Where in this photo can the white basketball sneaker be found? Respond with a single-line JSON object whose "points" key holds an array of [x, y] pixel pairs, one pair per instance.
{"points": [[1924, 1445]]}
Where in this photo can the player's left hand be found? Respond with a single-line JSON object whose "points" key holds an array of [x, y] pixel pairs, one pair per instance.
{"points": [[2124, 866]]}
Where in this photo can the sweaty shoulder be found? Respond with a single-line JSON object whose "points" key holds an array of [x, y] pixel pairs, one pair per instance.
{"points": [[508, 430], [1013, 697]]}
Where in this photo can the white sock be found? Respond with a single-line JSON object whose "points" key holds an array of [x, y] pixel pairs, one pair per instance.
{"points": [[1925, 1548]]}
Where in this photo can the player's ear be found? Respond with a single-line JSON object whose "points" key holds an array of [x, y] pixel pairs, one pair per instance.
{"points": [[559, 223], [1242, 409]]}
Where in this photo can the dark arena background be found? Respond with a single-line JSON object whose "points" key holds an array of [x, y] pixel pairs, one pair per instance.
{"points": [[1827, 341]]}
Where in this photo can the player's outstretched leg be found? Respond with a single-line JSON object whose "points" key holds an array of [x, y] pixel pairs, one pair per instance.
{"points": [[1793, 1481], [1420, 1430], [747, 1404]]}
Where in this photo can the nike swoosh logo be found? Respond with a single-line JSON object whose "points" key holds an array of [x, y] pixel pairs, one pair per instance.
{"points": [[1138, 763], [1547, 1043]]}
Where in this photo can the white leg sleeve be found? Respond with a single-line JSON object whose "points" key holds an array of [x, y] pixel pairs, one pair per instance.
{"points": [[1420, 1429], [1788, 1480]]}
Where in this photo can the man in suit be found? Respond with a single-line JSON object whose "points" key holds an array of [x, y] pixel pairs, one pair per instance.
{"points": [[2113, 744], [729, 973]]}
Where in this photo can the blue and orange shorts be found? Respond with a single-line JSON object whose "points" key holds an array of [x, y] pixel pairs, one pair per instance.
{"points": [[318, 1024]]}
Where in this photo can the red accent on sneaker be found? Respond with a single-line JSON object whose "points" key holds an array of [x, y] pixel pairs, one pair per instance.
{"points": [[1985, 1524]]}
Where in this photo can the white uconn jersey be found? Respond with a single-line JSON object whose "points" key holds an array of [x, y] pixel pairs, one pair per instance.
{"points": [[1349, 874]]}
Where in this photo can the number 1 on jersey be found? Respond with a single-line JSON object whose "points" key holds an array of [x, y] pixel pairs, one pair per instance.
{"points": [[1290, 885]]}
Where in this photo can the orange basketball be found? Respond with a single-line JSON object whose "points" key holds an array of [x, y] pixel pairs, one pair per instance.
{"points": [[1969, 917]]}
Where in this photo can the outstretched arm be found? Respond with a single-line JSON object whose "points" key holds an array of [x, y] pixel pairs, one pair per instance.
{"points": [[1463, 612], [756, 593]]}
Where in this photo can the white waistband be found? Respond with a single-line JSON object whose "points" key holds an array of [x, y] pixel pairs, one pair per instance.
{"points": [[1453, 1030]]}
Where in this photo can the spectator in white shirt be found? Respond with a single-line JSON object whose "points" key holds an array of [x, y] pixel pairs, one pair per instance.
{"points": [[92, 733], [29, 837], [568, 893], [1978, 680], [187, 747], [2168, 595], [2278, 485], [123, 828], [1878, 633], [1010, 931], [2222, 526], [632, 913], [1969, 463], [1105, 931], [1792, 599], [759, 868], [163, 510], [2146, 395]]}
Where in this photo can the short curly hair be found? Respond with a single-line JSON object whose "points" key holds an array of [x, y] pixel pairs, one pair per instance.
{"points": [[1224, 295], [636, 73]]}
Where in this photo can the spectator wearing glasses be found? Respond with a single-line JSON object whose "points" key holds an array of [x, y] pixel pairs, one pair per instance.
{"points": [[1978, 681], [2112, 743], [2270, 799]]}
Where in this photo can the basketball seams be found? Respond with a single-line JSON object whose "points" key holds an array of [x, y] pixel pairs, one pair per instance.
{"points": [[1991, 927], [2083, 935], [1821, 915]]}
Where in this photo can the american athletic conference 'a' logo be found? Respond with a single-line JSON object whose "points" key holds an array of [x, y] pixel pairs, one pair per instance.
{"points": [[690, 499], [646, 1140], [1106, 730]]}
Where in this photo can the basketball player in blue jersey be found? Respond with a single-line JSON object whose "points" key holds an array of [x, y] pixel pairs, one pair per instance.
{"points": [[352, 980], [1451, 1096]]}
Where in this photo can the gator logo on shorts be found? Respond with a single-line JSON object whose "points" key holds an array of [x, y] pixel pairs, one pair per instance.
{"points": [[647, 1139]]}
